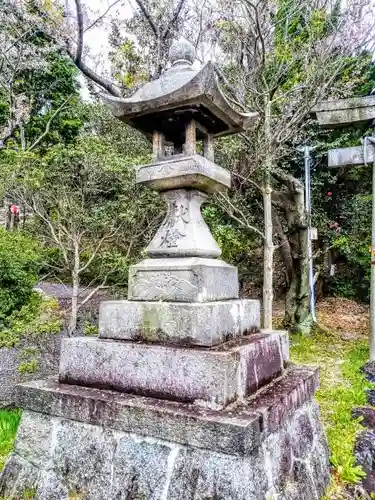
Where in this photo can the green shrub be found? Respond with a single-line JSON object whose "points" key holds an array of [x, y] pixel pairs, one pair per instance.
{"points": [[19, 265], [40, 316]]}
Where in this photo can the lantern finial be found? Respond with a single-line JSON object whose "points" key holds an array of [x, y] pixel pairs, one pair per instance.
{"points": [[182, 51]]}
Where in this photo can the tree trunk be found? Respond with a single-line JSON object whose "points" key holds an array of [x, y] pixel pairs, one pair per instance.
{"points": [[72, 327], [297, 315], [267, 259], [294, 253], [268, 226]]}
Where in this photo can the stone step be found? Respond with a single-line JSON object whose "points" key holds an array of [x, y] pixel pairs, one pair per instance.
{"points": [[236, 430], [204, 324], [212, 377]]}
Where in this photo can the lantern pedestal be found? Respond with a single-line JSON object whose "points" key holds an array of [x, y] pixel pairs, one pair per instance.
{"points": [[101, 444], [182, 396]]}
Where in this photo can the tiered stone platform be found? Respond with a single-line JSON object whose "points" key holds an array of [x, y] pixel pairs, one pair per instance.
{"points": [[182, 396], [101, 444]]}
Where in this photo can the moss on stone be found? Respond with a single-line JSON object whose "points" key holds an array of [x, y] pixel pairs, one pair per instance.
{"points": [[28, 366]]}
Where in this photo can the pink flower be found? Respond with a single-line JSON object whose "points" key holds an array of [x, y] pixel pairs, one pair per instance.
{"points": [[329, 193]]}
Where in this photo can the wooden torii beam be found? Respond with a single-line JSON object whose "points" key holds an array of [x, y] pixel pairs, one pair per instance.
{"points": [[340, 113]]}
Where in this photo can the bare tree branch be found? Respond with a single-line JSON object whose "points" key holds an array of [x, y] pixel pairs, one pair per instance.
{"points": [[98, 79], [92, 293], [173, 19], [148, 17], [48, 126], [79, 50], [100, 18], [97, 248], [244, 220]]}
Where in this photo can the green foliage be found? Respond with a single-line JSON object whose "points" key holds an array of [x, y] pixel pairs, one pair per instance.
{"points": [[344, 223], [89, 190], [40, 84], [29, 362], [128, 62], [19, 265], [40, 316], [232, 240], [90, 329], [9, 420], [28, 366], [342, 387]]}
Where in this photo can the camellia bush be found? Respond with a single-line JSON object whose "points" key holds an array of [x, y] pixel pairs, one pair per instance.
{"points": [[19, 265]]}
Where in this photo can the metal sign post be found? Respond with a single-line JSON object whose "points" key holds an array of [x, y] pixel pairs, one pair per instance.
{"points": [[307, 163]]}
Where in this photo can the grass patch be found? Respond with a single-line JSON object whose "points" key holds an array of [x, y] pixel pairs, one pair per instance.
{"points": [[342, 388], [9, 420]]}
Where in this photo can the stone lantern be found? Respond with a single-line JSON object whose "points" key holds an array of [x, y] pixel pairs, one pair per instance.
{"points": [[178, 288], [182, 396]]}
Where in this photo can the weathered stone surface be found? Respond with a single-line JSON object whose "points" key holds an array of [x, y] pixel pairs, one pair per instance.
{"points": [[368, 369], [370, 396], [204, 324], [365, 456], [159, 469], [193, 171], [151, 107], [345, 111], [43, 349], [183, 280], [73, 443], [184, 232], [33, 438], [367, 416], [225, 432], [18, 478], [236, 430], [214, 376], [342, 157]]}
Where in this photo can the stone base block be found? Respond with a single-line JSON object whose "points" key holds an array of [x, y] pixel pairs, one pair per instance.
{"points": [[213, 376], [105, 445], [190, 279], [204, 324]]}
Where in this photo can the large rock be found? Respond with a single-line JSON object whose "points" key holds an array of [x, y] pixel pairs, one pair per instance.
{"points": [[368, 369], [366, 414], [365, 456], [105, 445]]}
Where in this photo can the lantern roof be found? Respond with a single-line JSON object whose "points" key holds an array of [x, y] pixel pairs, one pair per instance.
{"points": [[182, 93]]}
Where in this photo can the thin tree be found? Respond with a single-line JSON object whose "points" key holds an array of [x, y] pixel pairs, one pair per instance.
{"points": [[280, 59]]}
